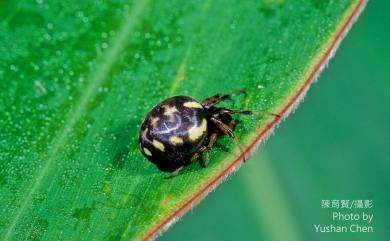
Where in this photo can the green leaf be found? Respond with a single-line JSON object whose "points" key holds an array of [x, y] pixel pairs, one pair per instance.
{"points": [[77, 79]]}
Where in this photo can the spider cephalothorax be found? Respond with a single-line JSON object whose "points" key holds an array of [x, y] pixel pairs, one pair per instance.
{"points": [[177, 130]]}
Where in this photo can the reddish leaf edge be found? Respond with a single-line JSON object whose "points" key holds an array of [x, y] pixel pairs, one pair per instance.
{"points": [[319, 63]]}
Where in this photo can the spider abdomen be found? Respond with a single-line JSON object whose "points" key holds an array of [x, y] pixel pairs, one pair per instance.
{"points": [[173, 131]]}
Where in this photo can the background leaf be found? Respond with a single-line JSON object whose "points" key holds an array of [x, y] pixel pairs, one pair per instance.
{"points": [[79, 77]]}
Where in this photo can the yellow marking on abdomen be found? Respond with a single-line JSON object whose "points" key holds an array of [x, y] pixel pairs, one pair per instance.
{"points": [[153, 120], [197, 131], [169, 110], [159, 145], [193, 104], [176, 140], [147, 152]]}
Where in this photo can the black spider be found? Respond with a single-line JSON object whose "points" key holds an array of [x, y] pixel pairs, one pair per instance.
{"points": [[177, 130]]}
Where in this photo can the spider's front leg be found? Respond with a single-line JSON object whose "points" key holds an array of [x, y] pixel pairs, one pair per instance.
{"points": [[246, 112], [215, 99]]}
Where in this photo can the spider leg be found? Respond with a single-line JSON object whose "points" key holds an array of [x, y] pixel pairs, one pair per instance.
{"points": [[226, 129], [212, 140], [198, 153], [174, 173], [193, 158], [232, 124], [246, 112], [213, 100]]}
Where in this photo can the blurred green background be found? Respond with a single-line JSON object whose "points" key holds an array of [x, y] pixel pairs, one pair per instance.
{"points": [[336, 146]]}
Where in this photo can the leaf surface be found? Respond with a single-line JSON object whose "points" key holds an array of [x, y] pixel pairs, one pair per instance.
{"points": [[78, 77]]}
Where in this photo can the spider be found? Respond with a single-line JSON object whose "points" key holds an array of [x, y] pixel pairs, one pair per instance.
{"points": [[179, 129]]}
